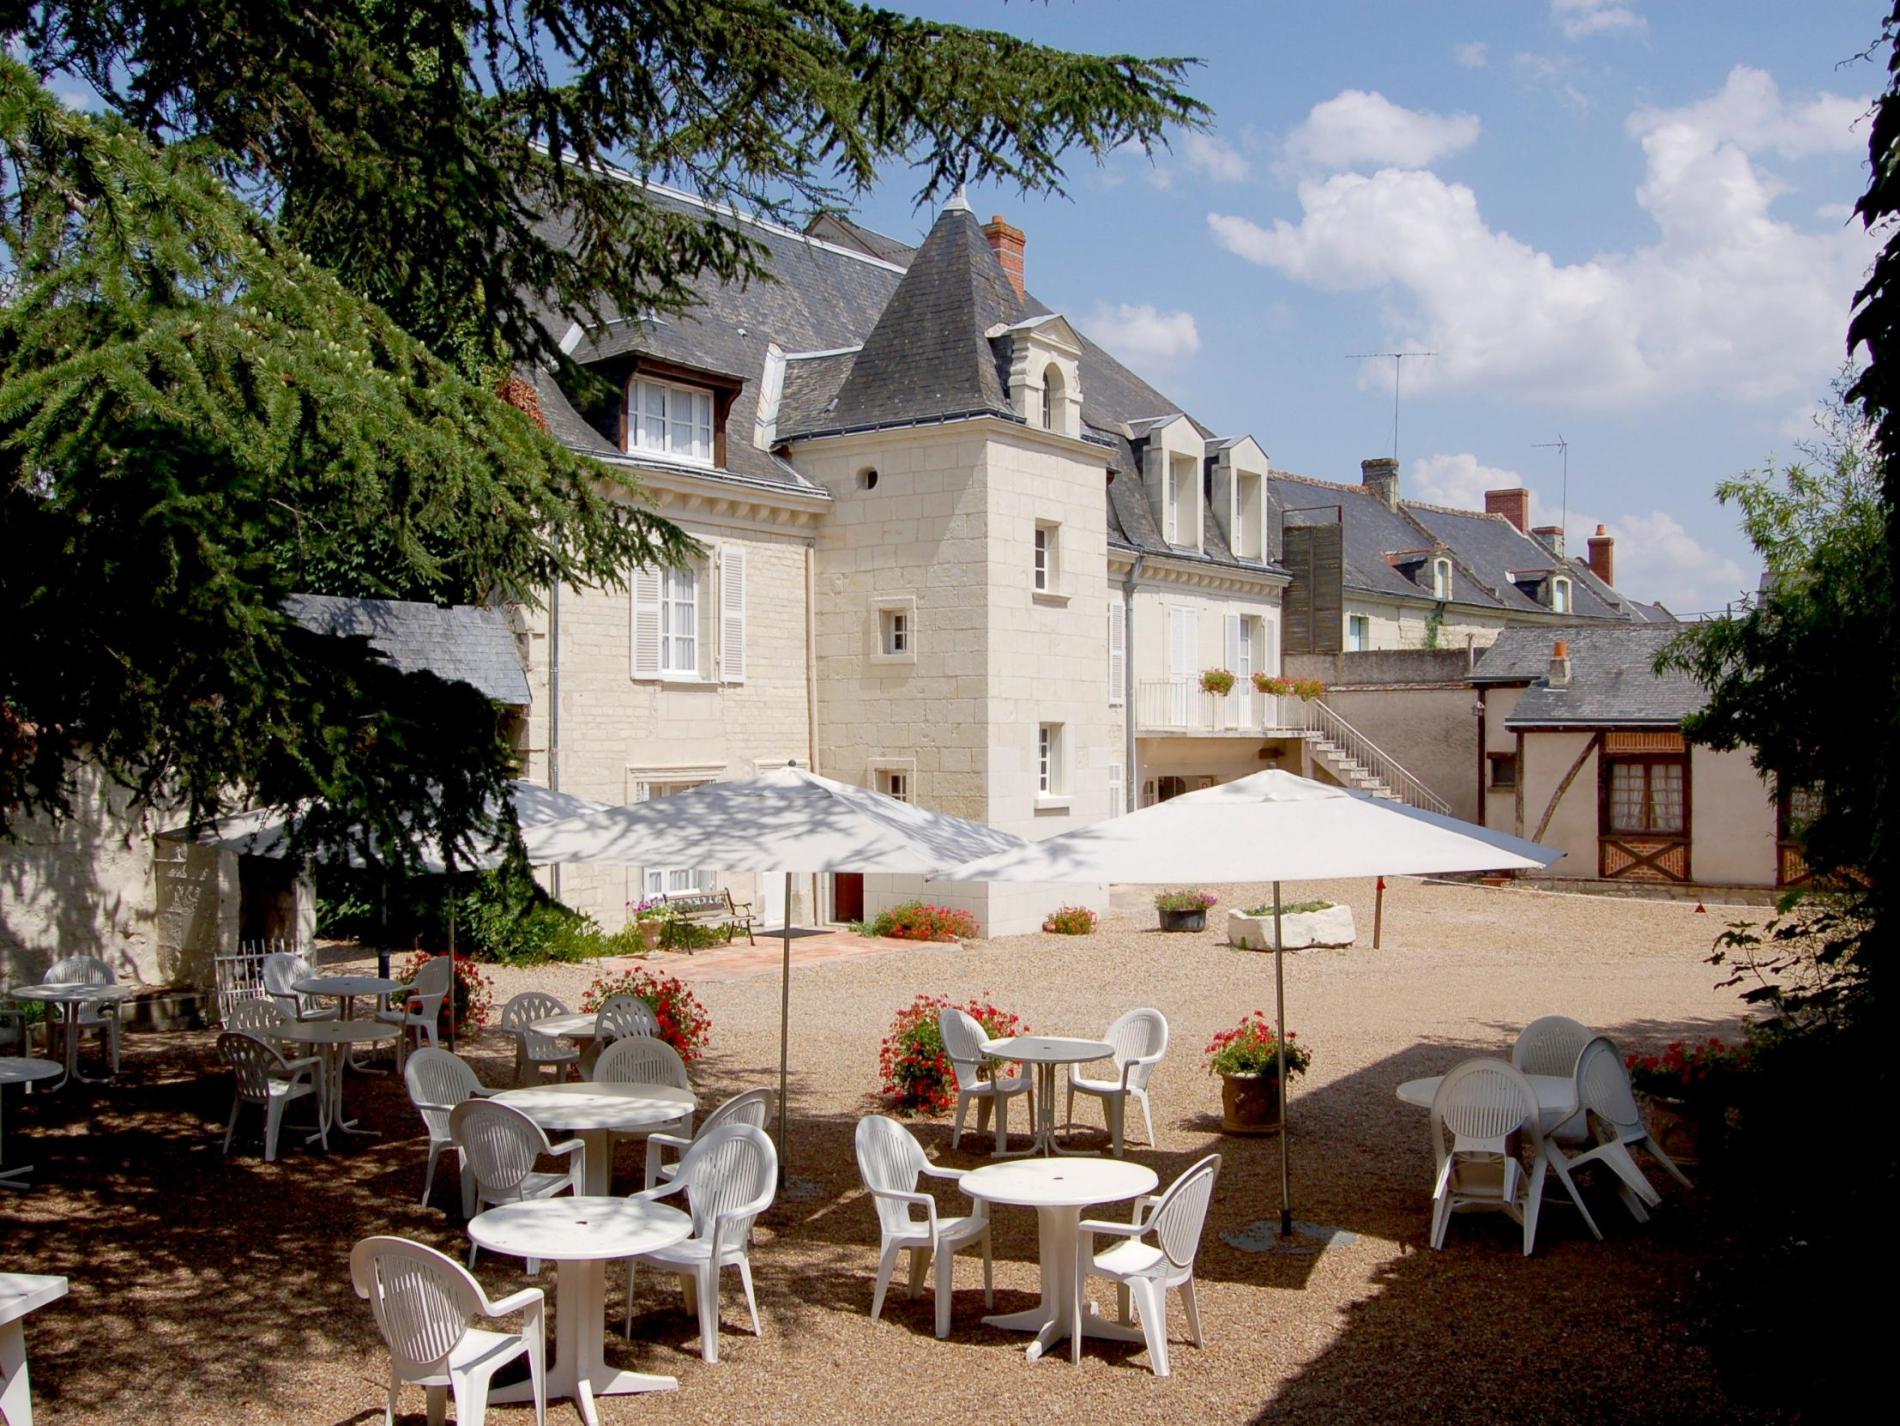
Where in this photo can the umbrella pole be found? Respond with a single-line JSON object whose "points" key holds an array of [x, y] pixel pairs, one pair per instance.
{"points": [[1279, 1007], [784, 1025], [453, 987], [1378, 912]]}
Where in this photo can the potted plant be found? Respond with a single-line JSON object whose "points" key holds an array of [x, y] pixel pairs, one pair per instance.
{"points": [[1249, 1060], [1184, 909], [1071, 921], [1687, 1091], [1302, 924], [1217, 681], [651, 916]]}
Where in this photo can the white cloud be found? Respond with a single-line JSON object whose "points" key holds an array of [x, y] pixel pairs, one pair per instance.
{"points": [[1214, 158], [1143, 336], [1357, 126], [1541, 73], [1657, 558], [1578, 18], [1471, 54], [1728, 299]]}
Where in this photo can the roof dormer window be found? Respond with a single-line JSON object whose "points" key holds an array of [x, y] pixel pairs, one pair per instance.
{"points": [[1441, 578], [1053, 390], [1560, 595], [669, 420]]}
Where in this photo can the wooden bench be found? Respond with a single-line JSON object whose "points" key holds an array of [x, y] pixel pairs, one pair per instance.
{"points": [[711, 908]]}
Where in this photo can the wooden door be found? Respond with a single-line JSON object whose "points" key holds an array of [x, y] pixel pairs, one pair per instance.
{"points": [[847, 896]]}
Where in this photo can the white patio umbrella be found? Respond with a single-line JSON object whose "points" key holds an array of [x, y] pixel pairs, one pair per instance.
{"points": [[1272, 826], [787, 821]]}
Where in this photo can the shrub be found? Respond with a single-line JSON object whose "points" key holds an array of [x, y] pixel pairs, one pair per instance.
{"points": [[1252, 1047], [916, 1073], [1216, 680], [510, 919], [916, 921], [1190, 898], [1297, 908], [472, 997], [1071, 921], [684, 1023], [1710, 1070]]}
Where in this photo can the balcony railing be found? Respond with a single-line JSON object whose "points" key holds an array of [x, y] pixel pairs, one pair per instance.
{"points": [[1177, 705]]}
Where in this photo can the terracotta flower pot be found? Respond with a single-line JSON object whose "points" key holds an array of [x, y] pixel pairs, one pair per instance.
{"points": [[1195, 920], [1249, 1103], [650, 933]]}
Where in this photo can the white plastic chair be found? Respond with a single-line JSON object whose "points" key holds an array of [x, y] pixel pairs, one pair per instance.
{"points": [[499, 1147], [1550, 1044], [1140, 1039], [437, 1082], [533, 1050], [100, 1016], [890, 1160], [282, 970], [729, 1177], [753, 1107], [642, 1059], [425, 1304], [1477, 1109], [1146, 1271], [264, 1077], [261, 1019], [619, 1017], [1603, 1091], [963, 1041], [423, 1008]]}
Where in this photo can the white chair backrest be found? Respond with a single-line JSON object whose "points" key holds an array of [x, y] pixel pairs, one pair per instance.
{"points": [[1136, 1035], [1603, 1088], [962, 1041], [730, 1170], [80, 970], [641, 1059], [281, 971], [438, 1081], [753, 1107], [1181, 1214], [1480, 1104], [500, 1142], [1550, 1045], [422, 1301], [431, 984], [529, 1006], [621, 1016], [890, 1158], [251, 1062], [262, 1018]]}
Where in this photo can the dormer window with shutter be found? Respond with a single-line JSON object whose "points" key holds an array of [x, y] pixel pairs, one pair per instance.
{"points": [[1239, 490], [1172, 462]]}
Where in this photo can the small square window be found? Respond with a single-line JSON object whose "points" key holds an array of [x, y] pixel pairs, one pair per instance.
{"points": [[1048, 558], [892, 632], [896, 631], [894, 782], [1503, 770]]}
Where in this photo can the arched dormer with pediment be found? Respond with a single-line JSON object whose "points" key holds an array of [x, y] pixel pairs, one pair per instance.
{"points": [[1045, 377]]}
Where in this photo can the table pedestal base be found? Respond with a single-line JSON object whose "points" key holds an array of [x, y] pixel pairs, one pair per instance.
{"points": [[1042, 1133], [578, 1370], [330, 1106], [1050, 1319]]}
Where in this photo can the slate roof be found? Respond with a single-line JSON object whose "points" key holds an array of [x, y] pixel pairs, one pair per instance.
{"points": [[836, 228], [1612, 677], [462, 643]]}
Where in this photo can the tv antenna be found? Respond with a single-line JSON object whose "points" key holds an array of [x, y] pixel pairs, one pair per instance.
{"points": [[1398, 365], [1562, 447]]}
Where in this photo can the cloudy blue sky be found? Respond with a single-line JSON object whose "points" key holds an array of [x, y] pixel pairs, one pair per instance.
{"points": [[1625, 221]]}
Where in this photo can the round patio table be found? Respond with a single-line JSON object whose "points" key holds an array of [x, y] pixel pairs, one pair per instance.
{"points": [[596, 1112], [1556, 1096], [69, 998], [21, 1069], [581, 1235], [1045, 1052], [344, 989], [1059, 1189], [332, 1038]]}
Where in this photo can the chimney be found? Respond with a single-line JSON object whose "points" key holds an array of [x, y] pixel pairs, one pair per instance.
{"points": [[1551, 537], [1513, 505], [1380, 475], [1008, 244], [1603, 556], [1560, 666]]}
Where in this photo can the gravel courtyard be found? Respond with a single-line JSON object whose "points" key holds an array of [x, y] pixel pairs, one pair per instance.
{"points": [[214, 1290]]}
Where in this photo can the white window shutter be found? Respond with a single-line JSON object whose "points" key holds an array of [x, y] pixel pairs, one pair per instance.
{"points": [[1117, 652], [646, 623], [1232, 664], [1115, 808], [732, 597]]}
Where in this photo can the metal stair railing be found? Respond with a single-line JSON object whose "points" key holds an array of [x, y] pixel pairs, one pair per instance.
{"points": [[1378, 763]]}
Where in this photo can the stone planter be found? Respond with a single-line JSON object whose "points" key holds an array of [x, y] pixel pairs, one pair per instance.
{"points": [[1195, 920], [650, 933], [1331, 927], [1249, 1103]]}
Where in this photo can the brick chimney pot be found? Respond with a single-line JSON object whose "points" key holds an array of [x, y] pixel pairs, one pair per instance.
{"points": [[1513, 505], [1603, 556], [1380, 475], [1008, 243]]}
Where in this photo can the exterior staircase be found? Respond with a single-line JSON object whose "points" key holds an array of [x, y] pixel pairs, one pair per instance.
{"points": [[1358, 762]]}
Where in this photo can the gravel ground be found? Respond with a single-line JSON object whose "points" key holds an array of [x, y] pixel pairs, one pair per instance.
{"points": [[207, 1289]]}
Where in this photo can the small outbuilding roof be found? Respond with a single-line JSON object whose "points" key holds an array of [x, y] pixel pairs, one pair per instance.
{"points": [[1613, 680], [464, 643]]}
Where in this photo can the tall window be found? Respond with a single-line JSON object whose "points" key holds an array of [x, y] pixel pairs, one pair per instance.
{"points": [[679, 621], [1358, 633], [896, 636], [1052, 394], [1171, 505], [1050, 781], [673, 881], [670, 420], [1647, 795], [1441, 579], [1560, 595], [1048, 557]]}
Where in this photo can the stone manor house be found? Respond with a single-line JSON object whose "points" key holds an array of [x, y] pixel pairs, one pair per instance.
{"points": [[949, 548]]}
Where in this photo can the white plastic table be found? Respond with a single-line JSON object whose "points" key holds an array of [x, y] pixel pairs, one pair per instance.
{"points": [[1556, 1096], [577, 1026], [582, 1235], [344, 989], [1059, 1189], [597, 1112], [1045, 1052], [69, 998], [20, 1293], [21, 1069], [330, 1039]]}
